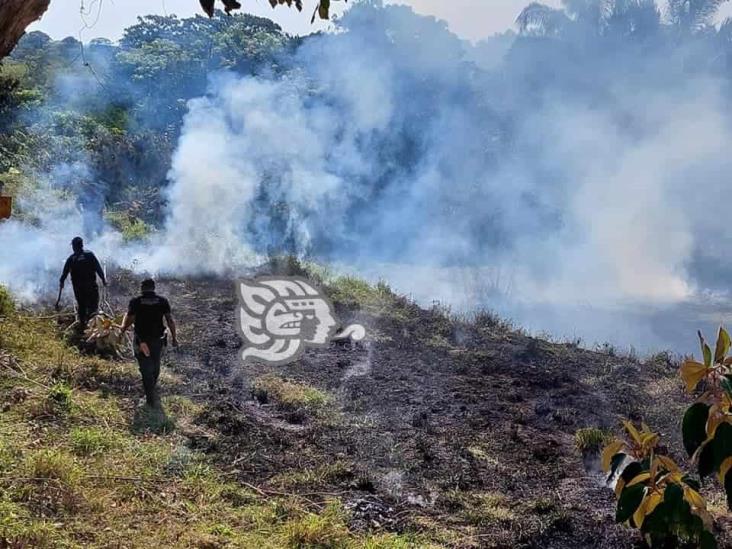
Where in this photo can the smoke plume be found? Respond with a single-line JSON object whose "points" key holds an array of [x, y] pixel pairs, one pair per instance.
{"points": [[576, 185]]}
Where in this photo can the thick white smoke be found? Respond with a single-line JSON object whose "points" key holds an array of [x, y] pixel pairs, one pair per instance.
{"points": [[617, 196], [578, 193]]}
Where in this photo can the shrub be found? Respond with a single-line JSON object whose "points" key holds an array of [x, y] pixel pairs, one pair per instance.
{"points": [[707, 424], [654, 494], [131, 227], [7, 305], [60, 396], [591, 439]]}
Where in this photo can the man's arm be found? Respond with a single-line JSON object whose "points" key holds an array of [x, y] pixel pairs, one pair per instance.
{"points": [[171, 326], [127, 321], [67, 269], [98, 269]]}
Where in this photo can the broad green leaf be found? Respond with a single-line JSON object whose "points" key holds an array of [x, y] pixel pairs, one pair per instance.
{"points": [[706, 460], [630, 498], [208, 7], [631, 471], [674, 496], [707, 541], [693, 427], [722, 444], [706, 350], [642, 477]]}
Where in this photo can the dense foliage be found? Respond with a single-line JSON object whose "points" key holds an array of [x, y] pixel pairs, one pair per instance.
{"points": [[102, 120]]}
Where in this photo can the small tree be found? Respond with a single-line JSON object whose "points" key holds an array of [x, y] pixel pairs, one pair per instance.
{"points": [[654, 495]]}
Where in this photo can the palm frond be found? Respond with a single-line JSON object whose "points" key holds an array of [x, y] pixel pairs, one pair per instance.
{"points": [[541, 20], [693, 15]]}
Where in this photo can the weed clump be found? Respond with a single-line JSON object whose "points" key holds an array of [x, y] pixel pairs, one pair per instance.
{"points": [[591, 439], [289, 395], [7, 305], [53, 464], [60, 396], [91, 441]]}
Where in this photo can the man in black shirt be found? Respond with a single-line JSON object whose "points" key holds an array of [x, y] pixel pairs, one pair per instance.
{"points": [[146, 312], [84, 267]]}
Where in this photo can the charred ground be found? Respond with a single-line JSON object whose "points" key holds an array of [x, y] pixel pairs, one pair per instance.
{"points": [[436, 431], [464, 429]]}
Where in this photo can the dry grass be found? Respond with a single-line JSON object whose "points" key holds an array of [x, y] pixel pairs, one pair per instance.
{"points": [[591, 439], [95, 473], [289, 395]]}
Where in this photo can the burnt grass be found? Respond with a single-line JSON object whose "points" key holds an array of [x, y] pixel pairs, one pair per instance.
{"points": [[459, 428]]}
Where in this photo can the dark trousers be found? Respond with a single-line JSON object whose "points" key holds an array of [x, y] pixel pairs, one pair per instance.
{"points": [[149, 368], [87, 302]]}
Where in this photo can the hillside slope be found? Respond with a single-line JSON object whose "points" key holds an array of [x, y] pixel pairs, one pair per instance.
{"points": [[435, 432]]}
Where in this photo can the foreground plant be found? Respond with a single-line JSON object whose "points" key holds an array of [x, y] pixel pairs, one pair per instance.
{"points": [[654, 495], [707, 424]]}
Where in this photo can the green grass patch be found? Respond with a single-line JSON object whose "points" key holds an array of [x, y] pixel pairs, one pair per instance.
{"points": [[131, 227], [591, 439], [53, 464], [19, 529], [7, 305], [355, 293], [99, 462], [92, 441], [289, 395], [325, 530], [328, 473]]}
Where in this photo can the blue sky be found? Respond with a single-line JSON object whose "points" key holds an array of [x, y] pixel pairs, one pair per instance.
{"points": [[472, 19]]}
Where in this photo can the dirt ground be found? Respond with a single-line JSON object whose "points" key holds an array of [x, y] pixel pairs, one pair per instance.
{"points": [[432, 423]]}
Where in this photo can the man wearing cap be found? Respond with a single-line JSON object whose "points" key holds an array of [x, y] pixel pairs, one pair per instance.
{"points": [[83, 266]]}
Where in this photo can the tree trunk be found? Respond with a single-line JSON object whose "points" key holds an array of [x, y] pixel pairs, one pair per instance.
{"points": [[15, 16]]}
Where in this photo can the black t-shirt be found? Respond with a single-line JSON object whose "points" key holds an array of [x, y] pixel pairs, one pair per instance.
{"points": [[84, 268], [149, 310]]}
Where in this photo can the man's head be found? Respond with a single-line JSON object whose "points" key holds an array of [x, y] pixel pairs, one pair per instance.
{"points": [[147, 285], [77, 244]]}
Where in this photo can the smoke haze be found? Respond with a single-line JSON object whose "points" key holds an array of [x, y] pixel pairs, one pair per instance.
{"points": [[577, 185]]}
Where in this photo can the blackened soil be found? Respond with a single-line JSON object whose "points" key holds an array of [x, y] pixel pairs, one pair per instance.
{"points": [[430, 419]]}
